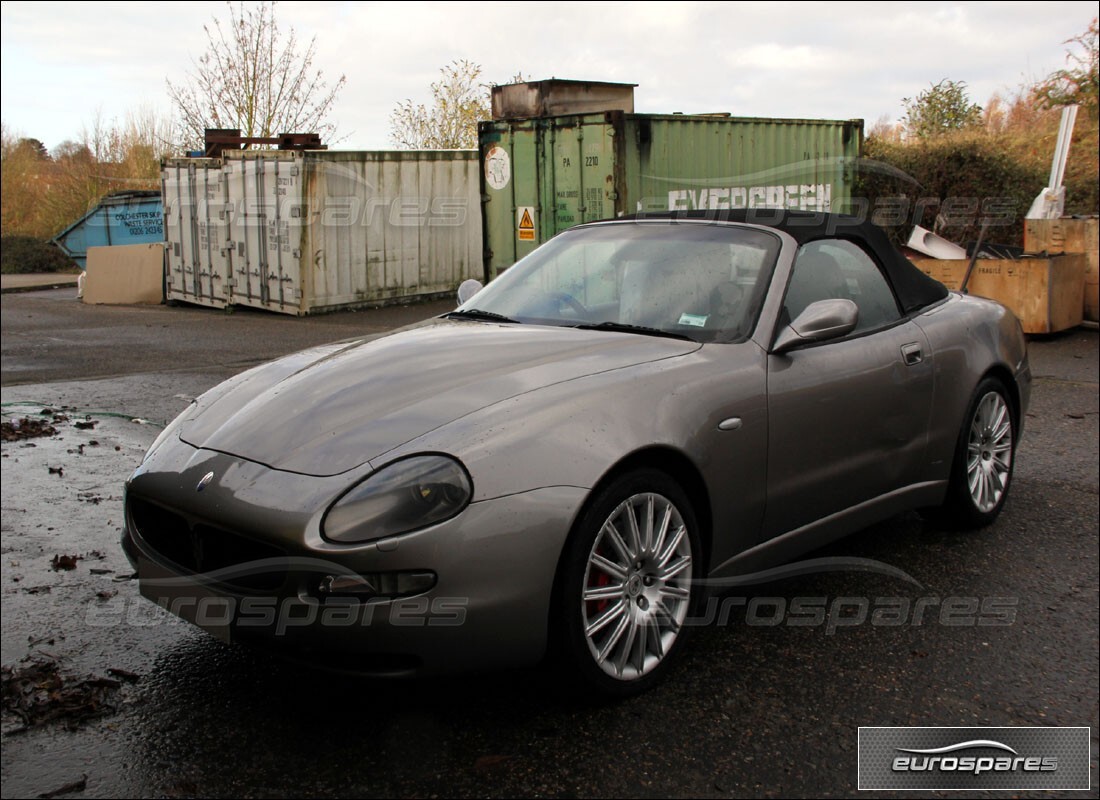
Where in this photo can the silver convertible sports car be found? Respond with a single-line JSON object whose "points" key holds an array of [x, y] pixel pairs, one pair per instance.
{"points": [[561, 465]]}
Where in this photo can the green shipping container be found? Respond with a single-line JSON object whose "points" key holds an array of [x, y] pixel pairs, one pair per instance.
{"points": [[541, 176]]}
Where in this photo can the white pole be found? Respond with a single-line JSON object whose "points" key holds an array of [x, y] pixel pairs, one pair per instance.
{"points": [[1061, 149]]}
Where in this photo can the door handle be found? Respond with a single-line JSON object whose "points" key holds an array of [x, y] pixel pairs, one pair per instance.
{"points": [[912, 354]]}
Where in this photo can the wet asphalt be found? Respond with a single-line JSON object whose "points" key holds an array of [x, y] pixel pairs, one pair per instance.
{"points": [[757, 707]]}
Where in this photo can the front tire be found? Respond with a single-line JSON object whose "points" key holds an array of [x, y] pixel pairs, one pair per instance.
{"points": [[984, 458], [629, 583]]}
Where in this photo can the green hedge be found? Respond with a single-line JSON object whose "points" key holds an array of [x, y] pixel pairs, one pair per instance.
{"points": [[24, 254], [968, 177], [961, 180]]}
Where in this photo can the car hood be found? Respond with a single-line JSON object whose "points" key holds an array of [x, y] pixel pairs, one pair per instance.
{"points": [[330, 410]]}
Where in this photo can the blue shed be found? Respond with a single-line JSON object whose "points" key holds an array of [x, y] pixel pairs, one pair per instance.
{"points": [[126, 217]]}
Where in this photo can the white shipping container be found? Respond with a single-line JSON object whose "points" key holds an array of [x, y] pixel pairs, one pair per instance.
{"points": [[300, 232]]}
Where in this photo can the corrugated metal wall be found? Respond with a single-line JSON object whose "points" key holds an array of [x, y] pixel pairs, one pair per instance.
{"points": [[682, 162], [321, 230], [394, 224]]}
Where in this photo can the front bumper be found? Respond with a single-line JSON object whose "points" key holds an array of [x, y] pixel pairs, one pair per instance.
{"points": [[244, 559]]}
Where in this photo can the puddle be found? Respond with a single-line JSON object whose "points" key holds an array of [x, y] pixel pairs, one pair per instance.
{"points": [[62, 518]]}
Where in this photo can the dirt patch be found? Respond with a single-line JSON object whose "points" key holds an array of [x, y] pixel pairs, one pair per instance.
{"points": [[26, 428], [38, 693]]}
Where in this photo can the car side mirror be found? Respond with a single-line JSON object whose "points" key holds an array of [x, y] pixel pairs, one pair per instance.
{"points": [[467, 289], [819, 322]]}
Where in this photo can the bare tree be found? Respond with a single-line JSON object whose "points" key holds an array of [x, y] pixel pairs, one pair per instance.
{"points": [[458, 102], [255, 78], [885, 129]]}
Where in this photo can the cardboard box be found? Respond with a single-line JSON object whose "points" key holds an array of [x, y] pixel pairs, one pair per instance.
{"points": [[1070, 235], [1045, 293], [125, 274]]}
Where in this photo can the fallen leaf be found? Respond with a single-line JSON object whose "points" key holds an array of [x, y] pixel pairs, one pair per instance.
{"points": [[26, 428], [61, 562]]}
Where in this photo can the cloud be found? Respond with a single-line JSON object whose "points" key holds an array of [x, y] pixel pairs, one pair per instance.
{"points": [[63, 61]]}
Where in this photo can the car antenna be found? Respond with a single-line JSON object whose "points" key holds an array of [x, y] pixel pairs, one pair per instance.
{"points": [[974, 256]]}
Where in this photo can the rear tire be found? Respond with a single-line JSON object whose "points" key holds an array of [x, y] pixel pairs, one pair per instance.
{"points": [[985, 455], [628, 584]]}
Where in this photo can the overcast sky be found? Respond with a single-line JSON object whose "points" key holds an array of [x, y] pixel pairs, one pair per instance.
{"points": [[64, 62]]}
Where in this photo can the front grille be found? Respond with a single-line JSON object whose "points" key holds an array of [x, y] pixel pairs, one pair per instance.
{"points": [[200, 549]]}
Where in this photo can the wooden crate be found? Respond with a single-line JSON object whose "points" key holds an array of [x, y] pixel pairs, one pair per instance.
{"points": [[1045, 293], [1070, 235]]}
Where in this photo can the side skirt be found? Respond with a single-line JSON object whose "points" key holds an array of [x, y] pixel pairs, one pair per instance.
{"points": [[792, 544]]}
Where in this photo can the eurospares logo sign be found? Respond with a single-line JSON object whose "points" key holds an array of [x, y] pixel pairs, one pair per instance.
{"points": [[974, 759]]}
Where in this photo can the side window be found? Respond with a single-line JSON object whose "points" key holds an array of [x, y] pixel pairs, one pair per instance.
{"points": [[838, 269]]}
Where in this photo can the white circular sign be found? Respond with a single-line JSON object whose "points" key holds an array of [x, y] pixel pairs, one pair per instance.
{"points": [[498, 167]]}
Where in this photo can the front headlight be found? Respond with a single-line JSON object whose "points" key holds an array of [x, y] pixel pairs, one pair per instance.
{"points": [[405, 496]]}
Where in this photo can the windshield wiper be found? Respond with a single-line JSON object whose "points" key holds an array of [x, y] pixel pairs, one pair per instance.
{"points": [[623, 327], [477, 313]]}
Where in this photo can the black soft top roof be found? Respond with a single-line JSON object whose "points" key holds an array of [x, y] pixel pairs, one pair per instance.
{"points": [[914, 289]]}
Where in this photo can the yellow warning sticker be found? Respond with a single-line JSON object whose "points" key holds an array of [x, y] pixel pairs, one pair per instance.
{"points": [[525, 223]]}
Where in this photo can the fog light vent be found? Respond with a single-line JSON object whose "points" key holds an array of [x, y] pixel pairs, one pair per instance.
{"points": [[376, 585]]}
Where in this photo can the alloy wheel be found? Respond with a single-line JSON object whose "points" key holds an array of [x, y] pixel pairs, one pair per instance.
{"points": [[989, 452], [637, 586]]}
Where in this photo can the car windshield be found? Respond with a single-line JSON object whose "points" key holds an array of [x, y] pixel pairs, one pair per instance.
{"points": [[695, 280]]}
